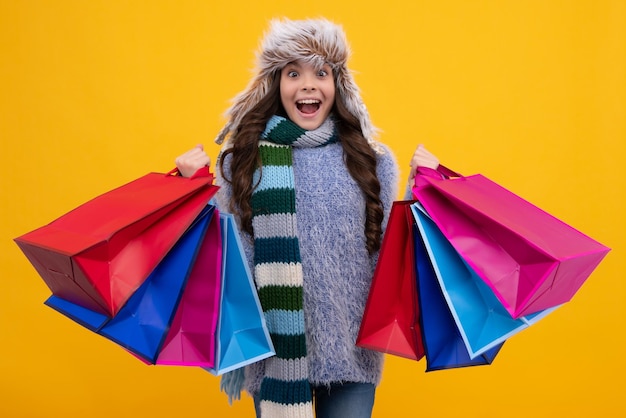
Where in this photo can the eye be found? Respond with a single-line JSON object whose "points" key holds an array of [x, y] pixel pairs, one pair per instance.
{"points": [[292, 73], [322, 73]]}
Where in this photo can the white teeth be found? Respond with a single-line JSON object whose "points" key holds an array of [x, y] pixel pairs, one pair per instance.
{"points": [[308, 101]]}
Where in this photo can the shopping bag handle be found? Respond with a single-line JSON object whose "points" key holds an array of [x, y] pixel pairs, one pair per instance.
{"points": [[442, 172], [201, 172]]}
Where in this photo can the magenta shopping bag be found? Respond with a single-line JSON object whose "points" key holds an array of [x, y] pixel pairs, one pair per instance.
{"points": [[191, 339], [530, 259]]}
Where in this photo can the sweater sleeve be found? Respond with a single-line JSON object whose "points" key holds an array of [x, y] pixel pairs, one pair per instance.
{"points": [[408, 193]]}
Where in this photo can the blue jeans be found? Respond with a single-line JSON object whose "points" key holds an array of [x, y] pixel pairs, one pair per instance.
{"points": [[342, 400]]}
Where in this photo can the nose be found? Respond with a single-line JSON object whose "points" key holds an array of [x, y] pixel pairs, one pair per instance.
{"points": [[308, 82]]}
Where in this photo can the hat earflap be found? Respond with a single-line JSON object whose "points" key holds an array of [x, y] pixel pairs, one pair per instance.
{"points": [[349, 93], [243, 103]]}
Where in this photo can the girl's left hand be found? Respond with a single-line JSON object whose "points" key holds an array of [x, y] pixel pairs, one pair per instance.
{"points": [[422, 158]]}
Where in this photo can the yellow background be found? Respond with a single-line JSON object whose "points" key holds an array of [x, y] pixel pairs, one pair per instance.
{"points": [[530, 93]]}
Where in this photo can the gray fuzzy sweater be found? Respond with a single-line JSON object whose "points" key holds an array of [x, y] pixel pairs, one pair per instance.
{"points": [[337, 268]]}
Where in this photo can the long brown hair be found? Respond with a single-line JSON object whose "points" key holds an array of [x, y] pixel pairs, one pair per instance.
{"points": [[359, 156]]}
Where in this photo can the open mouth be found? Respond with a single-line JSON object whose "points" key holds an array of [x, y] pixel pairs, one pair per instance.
{"points": [[308, 106]]}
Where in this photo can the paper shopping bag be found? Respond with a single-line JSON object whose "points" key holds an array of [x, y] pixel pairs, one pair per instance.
{"points": [[531, 260], [390, 321], [142, 324], [98, 254], [443, 343], [481, 320], [191, 339], [242, 334]]}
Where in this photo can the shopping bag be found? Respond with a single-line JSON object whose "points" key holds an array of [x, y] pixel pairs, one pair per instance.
{"points": [[98, 254], [242, 334], [191, 338], [142, 324], [531, 260], [390, 321], [480, 318], [443, 343]]}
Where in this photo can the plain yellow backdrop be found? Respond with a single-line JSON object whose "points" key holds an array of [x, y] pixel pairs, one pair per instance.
{"points": [[529, 93]]}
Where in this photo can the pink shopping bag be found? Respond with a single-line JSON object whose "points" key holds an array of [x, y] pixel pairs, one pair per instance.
{"points": [[530, 259], [191, 340]]}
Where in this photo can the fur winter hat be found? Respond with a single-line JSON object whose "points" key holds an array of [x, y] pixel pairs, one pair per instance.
{"points": [[314, 41]]}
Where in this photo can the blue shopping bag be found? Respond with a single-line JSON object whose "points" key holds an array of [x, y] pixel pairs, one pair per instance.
{"points": [[242, 334], [481, 319], [142, 323], [443, 343]]}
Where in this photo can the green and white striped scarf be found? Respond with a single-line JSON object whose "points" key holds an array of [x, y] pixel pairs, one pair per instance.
{"points": [[285, 389]]}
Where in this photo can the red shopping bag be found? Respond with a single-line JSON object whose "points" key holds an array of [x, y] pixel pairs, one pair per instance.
{"points": [[531, 260], [142, 324], [391, 318], [98, 254]]}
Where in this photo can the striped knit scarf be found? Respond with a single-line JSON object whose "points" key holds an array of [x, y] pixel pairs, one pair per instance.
{"points": [[285, 389]]}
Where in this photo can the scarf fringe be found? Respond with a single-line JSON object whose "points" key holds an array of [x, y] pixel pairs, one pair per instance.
{"points": [[231, 383]]}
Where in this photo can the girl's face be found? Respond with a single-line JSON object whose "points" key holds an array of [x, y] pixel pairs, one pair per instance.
{"points": [[307, 93]]}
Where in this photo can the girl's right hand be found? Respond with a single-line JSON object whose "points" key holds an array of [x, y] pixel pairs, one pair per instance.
{"points": [[191, 161]]}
